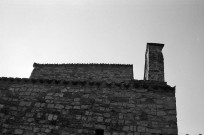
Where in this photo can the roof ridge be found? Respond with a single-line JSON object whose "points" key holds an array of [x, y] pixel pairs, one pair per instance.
{"points": [[80, 64]]}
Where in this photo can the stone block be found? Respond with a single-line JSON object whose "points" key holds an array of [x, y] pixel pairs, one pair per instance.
{"points": [[107, 133], [158, 131], [136, 133], [31, 119], [80, 130], [2, 115], [126, 128], [172, 112], [1, 106], [47, 130], [59, 106], [170, 131], [4, 130], [64, 90], [106, 115], [147, 134], [42, 105], [55, 117], [131, 128], [50, 116], [28, 133], [127, 122], [21, 93], [78, 117], [141, 129], [37, 104], [170, 103], [48, 97], [102, 108], [50, 106], [87, 125], [76, 107], [84, 106], [13, 108], [27, 93], [100, 119], [24, 103], [131, 105], [68, 107], [84, 118], [170, 118], [100, 126], [141, 90], [50, 94], [161, 113], [107, 120], [18, 131], [122, 133], [61, 95], [121, 122], [76, 99]]}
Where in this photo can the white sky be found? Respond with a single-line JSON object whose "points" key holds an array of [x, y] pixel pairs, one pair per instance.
{"points": [[110, 31]]}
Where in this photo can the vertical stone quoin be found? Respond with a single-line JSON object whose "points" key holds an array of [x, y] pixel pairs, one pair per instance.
{"points": [[154, 62]]}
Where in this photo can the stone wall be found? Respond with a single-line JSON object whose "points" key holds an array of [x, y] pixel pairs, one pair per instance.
{"points": [[96, 72], [42, 107]]}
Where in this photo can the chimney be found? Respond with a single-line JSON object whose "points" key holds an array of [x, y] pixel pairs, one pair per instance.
{"points": [[154, 62]]}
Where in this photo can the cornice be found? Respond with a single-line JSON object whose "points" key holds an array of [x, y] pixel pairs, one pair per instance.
{"points": [[150, 85]]}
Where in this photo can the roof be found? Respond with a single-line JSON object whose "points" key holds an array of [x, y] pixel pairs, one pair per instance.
{"points": [[79, 71]]}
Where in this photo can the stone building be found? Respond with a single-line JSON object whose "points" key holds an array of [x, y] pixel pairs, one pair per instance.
{"points": [[90, 99]]}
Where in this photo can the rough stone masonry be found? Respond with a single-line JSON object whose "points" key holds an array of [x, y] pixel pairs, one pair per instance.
{"points": [[89, 99]]}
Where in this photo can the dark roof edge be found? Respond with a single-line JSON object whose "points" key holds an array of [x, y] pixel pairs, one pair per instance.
{"points": [[133, 83], [80, 64]]}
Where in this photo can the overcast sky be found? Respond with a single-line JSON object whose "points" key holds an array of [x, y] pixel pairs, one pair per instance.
{"points": [[110, 31]]}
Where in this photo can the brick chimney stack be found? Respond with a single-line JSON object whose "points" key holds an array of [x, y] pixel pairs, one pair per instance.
{"points": [[154, 62]]}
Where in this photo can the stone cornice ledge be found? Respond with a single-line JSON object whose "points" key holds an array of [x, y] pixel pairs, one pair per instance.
{"points": [[150, 85]]}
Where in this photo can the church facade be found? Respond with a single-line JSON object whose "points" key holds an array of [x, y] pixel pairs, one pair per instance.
{"points": [[90, 99]]}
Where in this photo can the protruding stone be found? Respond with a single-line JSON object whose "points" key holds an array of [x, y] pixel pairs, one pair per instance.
{"points": [[50, 116]]}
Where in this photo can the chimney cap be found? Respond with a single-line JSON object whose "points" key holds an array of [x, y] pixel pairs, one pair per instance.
{"points": [[155, 44]]}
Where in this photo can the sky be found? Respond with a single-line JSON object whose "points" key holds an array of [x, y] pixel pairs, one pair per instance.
{"points": [[110, 31]]}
